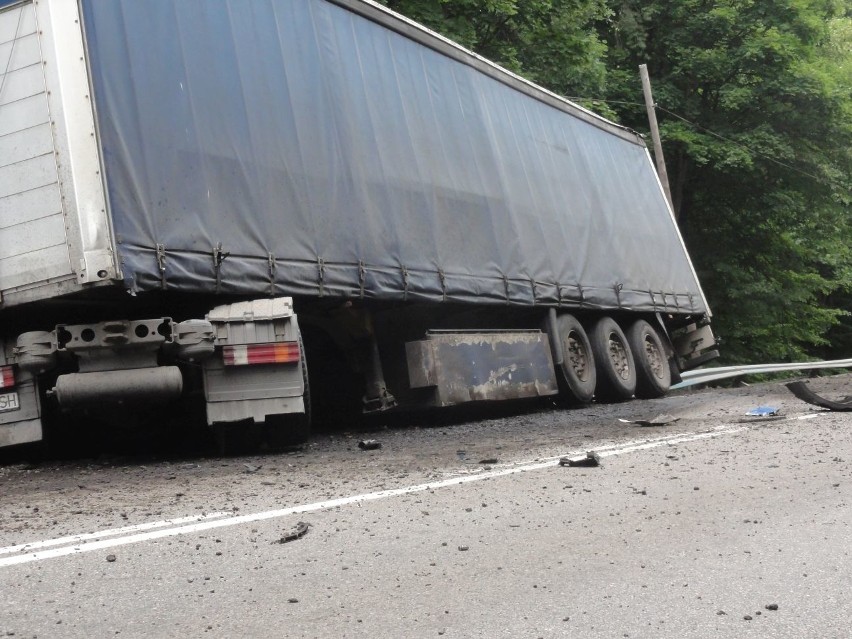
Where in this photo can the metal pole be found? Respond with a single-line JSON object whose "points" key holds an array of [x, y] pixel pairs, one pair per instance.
{"points": [[655, 133]]}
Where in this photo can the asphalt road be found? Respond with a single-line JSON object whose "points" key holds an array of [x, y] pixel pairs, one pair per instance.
{"points": [[698, 528]]}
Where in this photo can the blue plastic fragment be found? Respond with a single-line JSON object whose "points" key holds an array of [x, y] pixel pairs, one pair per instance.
{"points": [[763, 411]]}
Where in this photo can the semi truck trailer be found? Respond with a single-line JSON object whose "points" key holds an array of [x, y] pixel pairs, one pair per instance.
{"points": [[222, 203]]}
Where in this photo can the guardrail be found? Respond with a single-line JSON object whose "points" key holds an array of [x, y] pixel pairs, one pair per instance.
{"points": [[705, 375]]}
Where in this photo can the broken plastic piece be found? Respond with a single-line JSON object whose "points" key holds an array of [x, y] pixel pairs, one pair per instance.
{"points": [[803, 392], [590, 460], [298, 532], [659, 420], [369, 444]]}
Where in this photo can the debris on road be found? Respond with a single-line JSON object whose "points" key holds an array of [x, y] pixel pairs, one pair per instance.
{"points": [[659, 420], [590, 460], [802, 391], [251, 469], [298, 532], [369, 444], [110, 558], [772, 606], [488, 461], [764, 411]]}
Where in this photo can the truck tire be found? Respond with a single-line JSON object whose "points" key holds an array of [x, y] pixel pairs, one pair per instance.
{"points": [[616, 370], [653, 375], [578, 375], [285, 431]]}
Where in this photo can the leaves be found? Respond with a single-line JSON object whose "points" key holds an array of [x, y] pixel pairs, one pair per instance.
{"points": [[552, 42], [759, 159]]}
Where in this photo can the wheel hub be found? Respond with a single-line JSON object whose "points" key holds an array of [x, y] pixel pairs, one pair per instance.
{"points": [[578, 358], [654, 358], [618, 357]]}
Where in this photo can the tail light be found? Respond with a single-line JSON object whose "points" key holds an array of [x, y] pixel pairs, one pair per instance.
{"points": [[278, 353], [7, 377]]}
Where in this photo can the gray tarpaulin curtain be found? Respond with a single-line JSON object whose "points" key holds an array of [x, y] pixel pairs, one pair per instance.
{"points": [[328, 154]]}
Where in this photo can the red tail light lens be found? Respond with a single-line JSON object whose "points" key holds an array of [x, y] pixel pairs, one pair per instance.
{"points": [[279, 353], [7, 376]]}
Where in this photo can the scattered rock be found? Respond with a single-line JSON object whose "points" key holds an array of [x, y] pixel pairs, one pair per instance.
{"points": [[369, 444], [747, 617], [110, 558], [772, 606]]}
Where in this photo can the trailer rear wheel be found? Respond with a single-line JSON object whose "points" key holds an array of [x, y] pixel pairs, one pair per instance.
{"points": [[616, 370], [653, 375], [285, 431], [578, 363]]}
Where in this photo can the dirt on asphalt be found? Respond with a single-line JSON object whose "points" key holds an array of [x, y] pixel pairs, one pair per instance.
{"points": [[48, 497]]}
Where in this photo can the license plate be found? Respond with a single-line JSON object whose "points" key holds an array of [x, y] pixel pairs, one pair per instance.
{"points": [[9, 401]]}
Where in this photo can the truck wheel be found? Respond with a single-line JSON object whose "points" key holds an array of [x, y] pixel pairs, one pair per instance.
{"points": [[616, 370], [653, 376], [285, 431], [578, 363]]}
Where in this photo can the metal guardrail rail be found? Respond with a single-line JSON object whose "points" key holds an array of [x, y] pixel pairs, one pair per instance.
{"points": [[706, 375]]}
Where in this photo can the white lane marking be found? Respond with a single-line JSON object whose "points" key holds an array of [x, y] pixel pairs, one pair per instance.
{"points": [[110, 532], [198, 526]]}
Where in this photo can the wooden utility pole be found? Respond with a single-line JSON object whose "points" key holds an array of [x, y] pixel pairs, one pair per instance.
{"points": [[655, 134]]}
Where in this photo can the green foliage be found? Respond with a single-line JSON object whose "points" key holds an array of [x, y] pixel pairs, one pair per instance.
{"points": [[761, 180], [755, 109], [551, 42]]}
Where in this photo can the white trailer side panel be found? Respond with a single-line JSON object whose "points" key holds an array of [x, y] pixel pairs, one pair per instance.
{"points": [[33, 245], [55, 235]]}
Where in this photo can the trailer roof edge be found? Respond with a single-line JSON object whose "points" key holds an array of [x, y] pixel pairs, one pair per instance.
{"points": [[407, 27]]}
